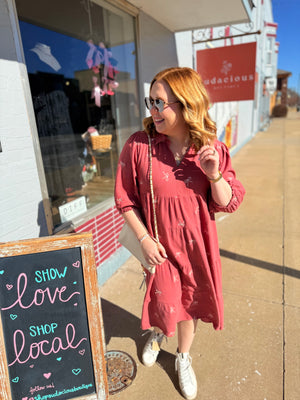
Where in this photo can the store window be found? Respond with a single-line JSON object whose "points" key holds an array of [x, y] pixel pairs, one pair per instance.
{"points": [[81, 62], [269, 50]]}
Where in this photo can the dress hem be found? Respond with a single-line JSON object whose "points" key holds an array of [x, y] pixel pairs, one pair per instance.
{"points": [[146, 327]]}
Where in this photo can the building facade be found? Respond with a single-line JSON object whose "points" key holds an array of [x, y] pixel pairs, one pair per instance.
{"points": [[73, 76], [239, 120]]}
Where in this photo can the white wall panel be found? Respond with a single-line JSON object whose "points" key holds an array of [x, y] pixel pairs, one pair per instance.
{"points": [[20, 192], [157, 50]]}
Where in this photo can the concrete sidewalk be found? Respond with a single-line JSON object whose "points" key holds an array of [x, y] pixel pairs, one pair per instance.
{"points": [[257, 355]]}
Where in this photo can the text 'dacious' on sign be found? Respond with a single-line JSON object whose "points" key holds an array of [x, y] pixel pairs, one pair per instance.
{"points": [[228, 73]]}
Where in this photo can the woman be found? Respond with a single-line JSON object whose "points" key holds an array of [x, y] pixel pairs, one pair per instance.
{"points": [[192, 179]]}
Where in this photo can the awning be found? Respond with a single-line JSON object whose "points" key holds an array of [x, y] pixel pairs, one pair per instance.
{"points": [[182, 15]]}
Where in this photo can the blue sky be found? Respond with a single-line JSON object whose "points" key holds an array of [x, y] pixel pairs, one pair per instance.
{"points": [[286, 14]]}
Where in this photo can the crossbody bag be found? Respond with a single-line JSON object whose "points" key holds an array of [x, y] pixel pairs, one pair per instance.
{"points": [[128, 238]]}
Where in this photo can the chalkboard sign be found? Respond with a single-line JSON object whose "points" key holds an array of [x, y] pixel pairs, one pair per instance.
{"points": [[51, 340]]}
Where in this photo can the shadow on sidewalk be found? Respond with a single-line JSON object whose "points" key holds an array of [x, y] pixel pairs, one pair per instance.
{"points": [[281, 269], [166, 361], [120, 323]]}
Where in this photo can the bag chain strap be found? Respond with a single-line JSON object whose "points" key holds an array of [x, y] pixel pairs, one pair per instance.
{"points": [[151, 189]]}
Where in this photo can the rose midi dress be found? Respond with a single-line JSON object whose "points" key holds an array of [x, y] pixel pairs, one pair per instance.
{"points": [[188, 284]]}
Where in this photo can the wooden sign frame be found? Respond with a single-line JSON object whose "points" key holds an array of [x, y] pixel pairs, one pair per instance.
{"points": [[94, 312]]}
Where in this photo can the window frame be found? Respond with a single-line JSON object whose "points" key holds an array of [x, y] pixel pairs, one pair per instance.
{"points": [[269, 50], [69, 226]]}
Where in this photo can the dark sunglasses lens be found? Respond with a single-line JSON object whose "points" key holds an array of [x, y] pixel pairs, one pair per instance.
{"points": [[159, 104]]}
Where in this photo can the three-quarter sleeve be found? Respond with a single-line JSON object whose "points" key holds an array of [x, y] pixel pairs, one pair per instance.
{"points": [[229, 175], [127, 195]]}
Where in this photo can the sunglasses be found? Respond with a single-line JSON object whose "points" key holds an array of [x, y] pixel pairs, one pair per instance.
{"points": [[157, 103]]}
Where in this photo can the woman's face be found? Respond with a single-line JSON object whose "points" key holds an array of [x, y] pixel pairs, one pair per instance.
{"points": [[170, 121]]}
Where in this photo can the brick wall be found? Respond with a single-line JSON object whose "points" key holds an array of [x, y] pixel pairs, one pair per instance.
{"points": [[105, 228]]}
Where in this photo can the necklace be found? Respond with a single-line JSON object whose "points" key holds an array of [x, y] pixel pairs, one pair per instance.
{"points": [[179, 149], [179, 156]]}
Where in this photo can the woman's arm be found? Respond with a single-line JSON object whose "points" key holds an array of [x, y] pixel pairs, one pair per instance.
{"points": [[127, 197], [133, 219], [154, 252], [220, 189], [226, 191]]}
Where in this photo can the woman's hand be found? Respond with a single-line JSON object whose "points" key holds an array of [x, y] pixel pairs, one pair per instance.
{"points": [[155, 253], [209, 161]]}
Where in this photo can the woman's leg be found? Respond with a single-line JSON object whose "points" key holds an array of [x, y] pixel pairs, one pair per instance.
{"points": [[183, 364], [186, 334]]}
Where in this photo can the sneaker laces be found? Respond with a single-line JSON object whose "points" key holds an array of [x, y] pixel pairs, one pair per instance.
{"points": [[154, 342], [143, 284]]}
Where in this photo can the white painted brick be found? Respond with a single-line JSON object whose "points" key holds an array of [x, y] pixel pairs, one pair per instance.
{"points": [[20, 192]]}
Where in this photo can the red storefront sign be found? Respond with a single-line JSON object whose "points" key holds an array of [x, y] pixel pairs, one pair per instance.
{"points": [[228, 73]]}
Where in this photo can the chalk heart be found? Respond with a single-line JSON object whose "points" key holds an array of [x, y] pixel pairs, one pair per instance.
{"points": [[31, 366], [13, 316], [47, 375], [16, 379], [24, 398], [75, 304], [9, 287], [81, 352], [1, 272], [58, 358], [76, 371], [76, 264]]}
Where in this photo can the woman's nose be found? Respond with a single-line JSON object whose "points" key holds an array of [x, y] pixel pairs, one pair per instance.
{"points": [[154, 110]]}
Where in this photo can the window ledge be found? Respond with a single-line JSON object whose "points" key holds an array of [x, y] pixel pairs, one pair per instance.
{"points": [[70, 226]]}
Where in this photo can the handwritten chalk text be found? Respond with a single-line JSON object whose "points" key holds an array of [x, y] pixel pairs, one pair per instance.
{"points": [[44, 347], [39, 294]]}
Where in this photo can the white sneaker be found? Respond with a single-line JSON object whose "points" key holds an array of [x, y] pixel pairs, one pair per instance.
{"points": [[152, 348], [186, 375]]}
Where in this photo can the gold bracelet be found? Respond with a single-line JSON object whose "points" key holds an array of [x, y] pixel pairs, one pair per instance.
{"points": [[217, 179]]}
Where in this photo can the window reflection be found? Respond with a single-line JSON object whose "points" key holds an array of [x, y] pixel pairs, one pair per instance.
{"points": [[84, 93]]}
